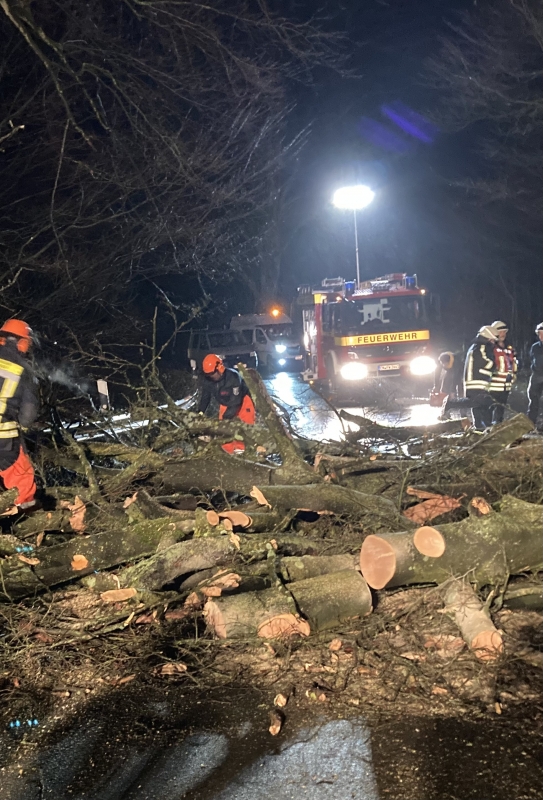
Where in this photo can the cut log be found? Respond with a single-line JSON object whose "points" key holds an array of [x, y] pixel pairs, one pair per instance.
{"points": [[269, 614], [476, 627], [377, 512], [487, 548], [7, 499], [299, 568], [328, 600]]}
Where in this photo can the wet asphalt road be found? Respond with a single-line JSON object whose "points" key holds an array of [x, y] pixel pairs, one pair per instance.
{"points": [[154, 743], [312, 416]]}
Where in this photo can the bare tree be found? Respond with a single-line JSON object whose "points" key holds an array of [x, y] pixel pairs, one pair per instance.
{"points": [[138, 139], [490, 77]]}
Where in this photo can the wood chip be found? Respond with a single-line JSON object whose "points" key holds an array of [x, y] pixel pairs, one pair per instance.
{"points": [[79, 562], [480, 506], [280, 700], [439, 690], [117, 595], [172, 668], [129, 500], [259, 497], [235, 539], [335, 645], [30, 561], [39, 538], [276, 722]]}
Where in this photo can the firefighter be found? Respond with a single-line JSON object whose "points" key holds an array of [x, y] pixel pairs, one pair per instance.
{"points": [[448, 375], [230, 390], [478, 368], [535, 386], [505, 371], [18, 410]]}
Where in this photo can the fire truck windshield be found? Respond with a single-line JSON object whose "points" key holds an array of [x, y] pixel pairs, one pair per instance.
{"points": [[374, 315]]}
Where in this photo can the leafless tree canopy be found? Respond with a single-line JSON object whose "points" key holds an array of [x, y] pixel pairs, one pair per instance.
{"points": [[490, 76], [138, 139]]}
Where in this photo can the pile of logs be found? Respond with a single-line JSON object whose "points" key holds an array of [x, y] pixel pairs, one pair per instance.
{"points": [[290, 537]]}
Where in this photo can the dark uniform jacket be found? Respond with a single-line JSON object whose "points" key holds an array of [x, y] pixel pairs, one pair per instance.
{"points": [[229, 391], [479, 365], [536, 360], [18, 401], [505, 367]]}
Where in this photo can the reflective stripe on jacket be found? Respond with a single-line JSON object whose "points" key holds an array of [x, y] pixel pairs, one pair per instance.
{"points": [[18, 400], [479, 365], [505, 368]]}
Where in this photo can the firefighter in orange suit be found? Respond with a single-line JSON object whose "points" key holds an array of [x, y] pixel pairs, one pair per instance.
{"points": [[230, 390], [18, 410]]}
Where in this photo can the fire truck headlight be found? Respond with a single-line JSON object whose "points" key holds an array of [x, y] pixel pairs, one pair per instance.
{"points": [[280, 348], [353, 371], [422, 365]]}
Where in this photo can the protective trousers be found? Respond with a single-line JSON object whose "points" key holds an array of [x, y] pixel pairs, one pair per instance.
{"points": [[481, 404], [20, 475], [246, 414], [498, 409], [535, 389]]}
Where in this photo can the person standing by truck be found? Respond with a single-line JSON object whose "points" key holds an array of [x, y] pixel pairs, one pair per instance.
{"points": [[478, 369], [505, 371], [535, 386]]}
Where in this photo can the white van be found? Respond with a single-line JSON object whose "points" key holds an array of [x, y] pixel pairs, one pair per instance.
{"points": [[272, 337]]}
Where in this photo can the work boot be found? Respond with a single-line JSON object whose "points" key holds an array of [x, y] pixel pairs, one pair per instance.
{"points": [[445, 410]]}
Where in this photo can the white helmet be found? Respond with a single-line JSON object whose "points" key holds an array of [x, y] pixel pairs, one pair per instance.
{"points": [[488, 332], [500, 326]]}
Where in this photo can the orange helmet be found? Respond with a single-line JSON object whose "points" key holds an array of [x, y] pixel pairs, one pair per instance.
{"points": [[22, 332], [211, 364]]}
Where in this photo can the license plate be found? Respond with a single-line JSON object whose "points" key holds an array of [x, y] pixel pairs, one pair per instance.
{"points": [[388, 368], [298, 358]]}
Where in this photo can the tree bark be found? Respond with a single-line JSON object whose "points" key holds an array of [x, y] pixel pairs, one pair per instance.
{"points": [[488, 549], [214, 551], [216, 470], [100, 551], [328, 600], [298, 568], [377, 512], [293, 469]]}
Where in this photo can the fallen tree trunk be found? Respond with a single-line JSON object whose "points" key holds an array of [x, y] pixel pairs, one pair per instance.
{"points": [[377, 512], [196, 555], [476, 627], [269, 614], [216, 470], [293, 468], [488, 548], [328, 600], [83, 555], [370, 429]]}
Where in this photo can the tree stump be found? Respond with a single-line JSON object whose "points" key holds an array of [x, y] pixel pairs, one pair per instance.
{"points": [[269, 614]]}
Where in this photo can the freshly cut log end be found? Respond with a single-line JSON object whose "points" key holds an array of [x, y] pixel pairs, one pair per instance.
{"points": [[377, 561], [283, 626], [238, 518], [213, 518], [488, 645], [429, 541]]}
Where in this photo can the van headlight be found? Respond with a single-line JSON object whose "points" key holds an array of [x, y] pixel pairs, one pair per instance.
{"points": [[280, 348], [353, 371], [422, 365]]}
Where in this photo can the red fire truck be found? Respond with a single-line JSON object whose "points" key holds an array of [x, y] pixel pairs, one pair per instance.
{"points": [[380, 330]]}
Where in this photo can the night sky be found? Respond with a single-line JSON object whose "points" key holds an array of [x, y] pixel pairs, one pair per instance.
{"points": [[418, 222]]}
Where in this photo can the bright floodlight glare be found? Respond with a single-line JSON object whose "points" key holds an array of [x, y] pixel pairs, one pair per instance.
{"points": [[353, 197], [353, 371], [422, 365]]}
